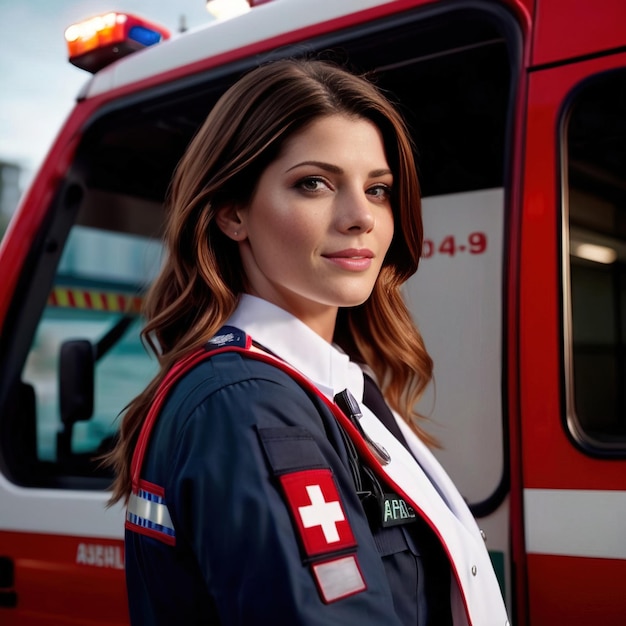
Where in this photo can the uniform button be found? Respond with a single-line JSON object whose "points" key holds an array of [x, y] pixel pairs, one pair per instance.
{"points": [[482, 534], [474, 570]]}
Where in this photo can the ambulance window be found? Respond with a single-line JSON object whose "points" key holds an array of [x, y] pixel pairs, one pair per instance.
{"points": [[595, 209], [453, 74], [91, 320]]}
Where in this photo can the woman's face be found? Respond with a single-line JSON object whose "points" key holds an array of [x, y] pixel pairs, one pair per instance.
{"points": [[317, 229]]}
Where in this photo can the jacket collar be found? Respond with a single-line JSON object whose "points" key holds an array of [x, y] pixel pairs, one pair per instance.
{"points": [[324, 364]]}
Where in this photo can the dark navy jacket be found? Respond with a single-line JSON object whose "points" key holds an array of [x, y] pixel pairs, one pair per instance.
{"points": [[228, 429]]}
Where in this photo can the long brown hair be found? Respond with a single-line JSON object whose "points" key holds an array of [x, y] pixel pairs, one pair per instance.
{"points": [[200, 283]]}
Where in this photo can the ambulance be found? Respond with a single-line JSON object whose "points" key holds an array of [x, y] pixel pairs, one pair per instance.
{"points": [[518, 112]]}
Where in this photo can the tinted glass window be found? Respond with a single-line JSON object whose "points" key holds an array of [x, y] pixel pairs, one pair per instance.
{"points": [[94, 303], [595, 205]]}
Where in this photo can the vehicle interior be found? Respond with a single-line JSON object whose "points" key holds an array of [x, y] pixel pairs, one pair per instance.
{"points": [[75, 363]]}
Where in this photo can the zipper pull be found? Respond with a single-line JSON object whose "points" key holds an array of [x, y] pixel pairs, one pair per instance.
{"points": [[351, 409]]}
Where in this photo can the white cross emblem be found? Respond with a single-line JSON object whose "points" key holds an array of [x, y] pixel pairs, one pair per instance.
{"points": [[321, 513]]}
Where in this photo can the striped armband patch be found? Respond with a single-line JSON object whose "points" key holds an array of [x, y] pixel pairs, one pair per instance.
{"points": [[147, 514]]}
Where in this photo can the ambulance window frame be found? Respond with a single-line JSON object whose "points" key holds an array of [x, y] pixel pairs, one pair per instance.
{"points": [[43, 258], [589, 443]]}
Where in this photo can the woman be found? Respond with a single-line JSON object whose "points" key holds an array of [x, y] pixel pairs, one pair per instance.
{"points": [[252, 498]]}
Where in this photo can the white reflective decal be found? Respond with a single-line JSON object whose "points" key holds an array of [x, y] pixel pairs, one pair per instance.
{"points": [[456, 299], [574, 522], [67, 512], [97, 555]]}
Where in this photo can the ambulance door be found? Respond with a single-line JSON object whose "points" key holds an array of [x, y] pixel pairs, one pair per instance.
{"points": [[71, 355], [462, 117], [72, 358], [61, 550], [572, 342]]}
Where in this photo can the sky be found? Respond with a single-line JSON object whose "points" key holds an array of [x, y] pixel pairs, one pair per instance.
{"points": [[38, 85]]}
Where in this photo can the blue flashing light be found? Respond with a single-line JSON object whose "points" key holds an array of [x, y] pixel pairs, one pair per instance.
{"points": [[144, 36]]}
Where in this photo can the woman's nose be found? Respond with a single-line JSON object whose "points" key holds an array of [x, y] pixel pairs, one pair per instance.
{"points": [[356, 213]]}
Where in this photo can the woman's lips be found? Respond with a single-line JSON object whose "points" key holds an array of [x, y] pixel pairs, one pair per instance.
{"points": [[354, 259]]}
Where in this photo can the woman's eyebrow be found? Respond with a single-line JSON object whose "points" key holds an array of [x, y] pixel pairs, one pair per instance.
{"points": [[329, 167], [334, 169], [379, 173]]}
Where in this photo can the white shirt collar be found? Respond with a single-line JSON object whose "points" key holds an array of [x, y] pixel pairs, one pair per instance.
{"points": [[287, 337]]}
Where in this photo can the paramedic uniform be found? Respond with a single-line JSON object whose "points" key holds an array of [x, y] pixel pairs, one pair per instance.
{"points": [[250, 514]]}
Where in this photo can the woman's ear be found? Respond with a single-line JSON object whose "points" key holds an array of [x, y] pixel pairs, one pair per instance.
{"points": [[229, 220]]}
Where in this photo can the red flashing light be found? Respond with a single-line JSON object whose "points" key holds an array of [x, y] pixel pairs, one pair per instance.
{"points": [[96, 42]]}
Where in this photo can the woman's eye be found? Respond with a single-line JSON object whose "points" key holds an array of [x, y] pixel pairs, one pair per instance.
{"points": [[382, 192], [311, 184]]}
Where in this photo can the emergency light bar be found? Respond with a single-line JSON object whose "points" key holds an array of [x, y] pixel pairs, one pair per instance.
{"points": [[96, 42]]}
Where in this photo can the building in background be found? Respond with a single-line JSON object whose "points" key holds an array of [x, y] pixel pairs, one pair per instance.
{"points": [[9, 192]]}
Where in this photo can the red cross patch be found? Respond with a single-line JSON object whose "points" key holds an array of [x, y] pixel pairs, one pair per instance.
{"points": [[318, 512]]}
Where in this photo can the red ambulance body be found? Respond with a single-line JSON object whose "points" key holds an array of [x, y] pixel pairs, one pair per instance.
{"points": [[518, 110]]}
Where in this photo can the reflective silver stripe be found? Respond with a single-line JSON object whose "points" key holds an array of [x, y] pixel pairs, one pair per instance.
{"points": [[150, 511]]}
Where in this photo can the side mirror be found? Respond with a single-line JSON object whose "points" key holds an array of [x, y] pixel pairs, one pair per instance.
{"points": [[77, 368], [76, 389], [76, 380]]}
